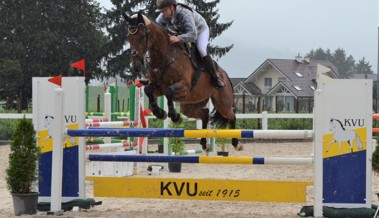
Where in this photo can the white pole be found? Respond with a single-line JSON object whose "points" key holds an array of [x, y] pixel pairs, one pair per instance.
{"points": [[264, 120], [57, 165], [82, 143], [107, 110]]}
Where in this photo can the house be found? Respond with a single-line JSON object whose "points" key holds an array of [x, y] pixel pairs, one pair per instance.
{"points": [[280, 85]]}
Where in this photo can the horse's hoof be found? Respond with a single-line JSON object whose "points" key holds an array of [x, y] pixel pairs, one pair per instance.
{"points": [[162, 116], [239, 147], [177, 119], [207, 148]]}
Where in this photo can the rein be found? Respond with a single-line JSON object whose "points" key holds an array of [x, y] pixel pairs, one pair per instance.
{"points": [[132, 30]]}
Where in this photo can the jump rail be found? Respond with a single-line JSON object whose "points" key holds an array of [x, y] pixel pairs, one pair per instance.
{"points": [[203, 159], [206, 133]]}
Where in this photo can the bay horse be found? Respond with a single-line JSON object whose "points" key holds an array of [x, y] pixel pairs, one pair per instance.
{"points": [[172, 74]]}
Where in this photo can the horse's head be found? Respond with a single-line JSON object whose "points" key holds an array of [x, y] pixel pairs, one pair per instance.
{"points": [[138, 35]]}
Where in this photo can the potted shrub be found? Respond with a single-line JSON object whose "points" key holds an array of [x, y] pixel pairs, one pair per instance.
{"points": [[22, 172], [176, 145], [221, 143]]}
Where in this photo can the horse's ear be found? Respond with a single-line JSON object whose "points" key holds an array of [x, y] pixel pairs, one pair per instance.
{"points": [[140, 17], [126, 17]]}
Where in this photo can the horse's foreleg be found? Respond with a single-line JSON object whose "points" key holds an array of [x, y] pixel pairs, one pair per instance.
{"points": [[175, 117], [157, 111]]}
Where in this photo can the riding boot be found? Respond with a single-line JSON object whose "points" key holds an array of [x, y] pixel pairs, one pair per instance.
{"points": [[208, 62]]}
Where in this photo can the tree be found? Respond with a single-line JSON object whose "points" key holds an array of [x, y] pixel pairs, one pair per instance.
{"points": [[210, 13], [363, 67], [319, 54], [345, 64], [43, 38], [119, 57]]}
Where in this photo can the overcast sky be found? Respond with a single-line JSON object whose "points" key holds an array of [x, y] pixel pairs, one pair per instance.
{"points": [[282, 29]]}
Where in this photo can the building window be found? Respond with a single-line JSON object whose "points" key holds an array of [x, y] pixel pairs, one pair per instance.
{"points": [[297, 88], [298, 74], [268, 82]]}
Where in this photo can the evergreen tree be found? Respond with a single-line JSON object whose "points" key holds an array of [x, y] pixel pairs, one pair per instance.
{"points": [[363, 67], [210, 13], [345, 64], [42, 38], [119, 57]]}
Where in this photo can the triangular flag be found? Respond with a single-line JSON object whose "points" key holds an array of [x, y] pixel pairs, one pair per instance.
{"points": [[80, 65], [140, 142], [56, 80], [138, 84], [142, 117]]}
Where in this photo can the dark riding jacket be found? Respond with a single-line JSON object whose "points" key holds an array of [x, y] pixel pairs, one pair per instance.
{"points": [[185, 23]]}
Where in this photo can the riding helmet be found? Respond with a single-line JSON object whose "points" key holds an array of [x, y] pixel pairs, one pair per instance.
{"points": [[162, 4]]}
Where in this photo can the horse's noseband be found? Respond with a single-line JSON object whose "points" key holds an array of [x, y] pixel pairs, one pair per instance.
{"points": [[134, 52]]}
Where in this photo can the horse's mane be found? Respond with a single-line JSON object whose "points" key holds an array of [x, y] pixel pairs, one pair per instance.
{"points": [[339, 123]]}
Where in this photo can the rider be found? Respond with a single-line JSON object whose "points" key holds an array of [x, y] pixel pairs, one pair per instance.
{"points": [[191, 27]]}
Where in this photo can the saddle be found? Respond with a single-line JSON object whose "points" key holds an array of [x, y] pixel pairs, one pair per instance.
{"points": [[190, 49]]}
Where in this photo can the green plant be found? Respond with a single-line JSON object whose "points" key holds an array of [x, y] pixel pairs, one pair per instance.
{"points": [[22, 171], [221, 143], [176, 144]]}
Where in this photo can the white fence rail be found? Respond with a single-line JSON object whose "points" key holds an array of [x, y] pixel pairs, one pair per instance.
{"points": [[15, 116], [264, 116]]}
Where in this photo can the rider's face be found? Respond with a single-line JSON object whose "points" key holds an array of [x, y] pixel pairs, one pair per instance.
{"points": [[167, 12]]}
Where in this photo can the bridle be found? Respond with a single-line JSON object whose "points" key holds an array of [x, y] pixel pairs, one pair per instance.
{"points": [[132, 30]]}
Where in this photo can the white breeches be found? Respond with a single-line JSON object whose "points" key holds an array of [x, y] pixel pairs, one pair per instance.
{"points": [[202, 42]]}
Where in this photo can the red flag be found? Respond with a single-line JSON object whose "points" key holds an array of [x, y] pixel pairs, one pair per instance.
{"points": [[138, 83], [105, 87], [142, 117], [56, 80], [129, 83], [80, 65]]}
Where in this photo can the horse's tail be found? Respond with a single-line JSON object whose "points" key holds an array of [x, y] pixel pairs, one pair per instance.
{"points": [[359, 141], [217, 120]]}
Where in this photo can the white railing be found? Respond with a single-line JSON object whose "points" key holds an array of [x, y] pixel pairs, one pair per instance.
{"points": [[264, 116], [15, 116]]}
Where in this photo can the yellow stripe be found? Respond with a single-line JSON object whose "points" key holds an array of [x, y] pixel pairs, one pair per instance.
{"points": [[212, 133], [225, 160], [46, 143], [334, 148], [201, 189]]}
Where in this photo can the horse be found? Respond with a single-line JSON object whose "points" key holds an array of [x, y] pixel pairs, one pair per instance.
{"points": [[172, 73], [49, 125], [342, 135]]}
